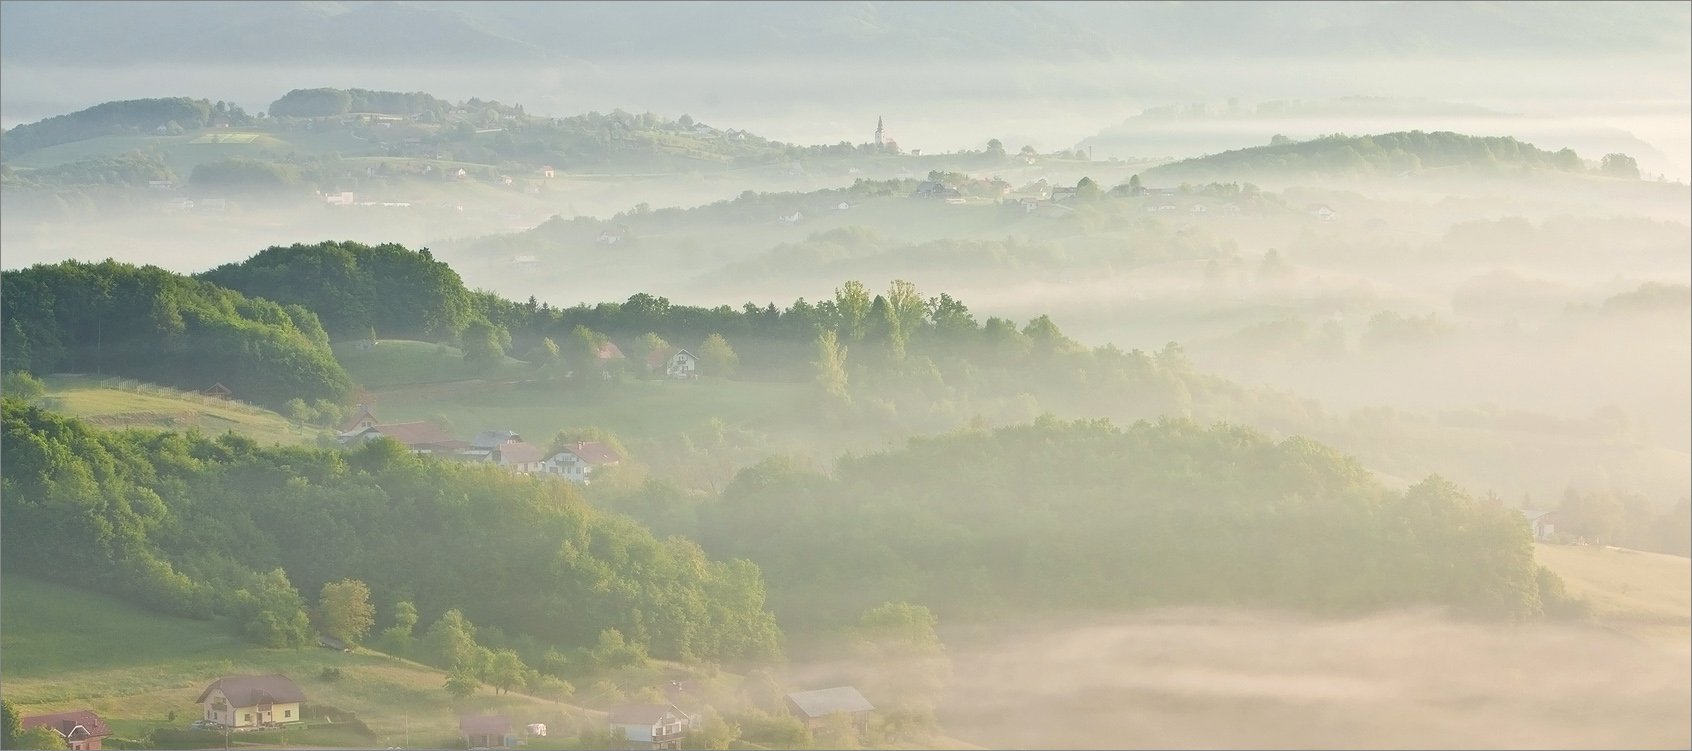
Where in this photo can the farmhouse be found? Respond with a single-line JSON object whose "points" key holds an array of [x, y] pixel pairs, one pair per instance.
{"points": [[578, 461], [646, 726], [677, 364], [360, 419], [245, 702], [81, 729], [815, 707], [520, 457], [218, 391], [1543, 523], [486, 731]]}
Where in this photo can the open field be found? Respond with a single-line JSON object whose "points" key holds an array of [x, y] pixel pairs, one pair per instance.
{"points": [[136, 668], [1644, 595], [166, 409]]}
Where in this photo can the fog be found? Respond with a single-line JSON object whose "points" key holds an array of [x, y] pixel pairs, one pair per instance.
{"points": [[1229, 679], [1513, 319]]}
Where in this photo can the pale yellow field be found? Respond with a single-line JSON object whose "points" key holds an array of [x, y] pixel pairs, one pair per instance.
{"points": [[1645, 595]]}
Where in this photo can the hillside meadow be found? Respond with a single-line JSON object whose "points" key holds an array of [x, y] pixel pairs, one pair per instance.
{"points": [[72, 649]]}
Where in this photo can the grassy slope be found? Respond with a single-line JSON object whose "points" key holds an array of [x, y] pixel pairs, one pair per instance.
{"points": [[416, 381], [84, 397], [69, 649], [182, 154], [1645, 595]]}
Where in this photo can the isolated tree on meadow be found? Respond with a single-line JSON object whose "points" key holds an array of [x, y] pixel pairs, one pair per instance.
{"points": [[346, 610], [505, 670], [462, 684]]}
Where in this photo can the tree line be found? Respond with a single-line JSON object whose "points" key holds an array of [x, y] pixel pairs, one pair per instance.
{"points": [[155, 325]]}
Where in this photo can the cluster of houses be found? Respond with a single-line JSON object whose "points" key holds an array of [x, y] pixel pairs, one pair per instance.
{"points": [[240, 703], [575, 462]]}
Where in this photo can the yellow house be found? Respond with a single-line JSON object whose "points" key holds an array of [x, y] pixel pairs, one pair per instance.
{"points": [[244, 702]]}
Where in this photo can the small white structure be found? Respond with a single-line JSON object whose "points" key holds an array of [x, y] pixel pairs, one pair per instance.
{"points": [[1543, 523], [654, 726], [343, 198], [536, 729]]}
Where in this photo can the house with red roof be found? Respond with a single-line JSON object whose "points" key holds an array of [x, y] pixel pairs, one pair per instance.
{"points": [[520, 457], [420, 437], [81, 729]]}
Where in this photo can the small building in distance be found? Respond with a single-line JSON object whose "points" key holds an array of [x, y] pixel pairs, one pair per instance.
{"points": [[486, 731], [81, 729], [815, 707]]}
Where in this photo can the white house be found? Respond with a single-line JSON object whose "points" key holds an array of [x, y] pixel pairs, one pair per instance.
{"points": [[680, 365], [578, 461], [1543, 523], [244, 702], [646, 726]]}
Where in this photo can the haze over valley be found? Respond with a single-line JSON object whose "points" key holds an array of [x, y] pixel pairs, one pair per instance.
{"points": [[846, 375]]}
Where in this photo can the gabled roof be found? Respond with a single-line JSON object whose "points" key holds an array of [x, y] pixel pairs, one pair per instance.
{"points": [[358, 415], [518, 452], [75, 725], [827, 701], [659, 357], [247, 690], [593, 452], [608, 351], [417, 433], [485, 724], [644, 714]]}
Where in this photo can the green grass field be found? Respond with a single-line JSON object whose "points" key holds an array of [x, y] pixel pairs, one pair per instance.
{"points": [[72, 649], [163, 409], [1645, 595]]}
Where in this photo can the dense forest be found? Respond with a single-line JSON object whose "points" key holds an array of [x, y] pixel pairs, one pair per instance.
{"points": [[1084, 516], [331, 102], [129, 116], [1383, 155], [189, 525], [151, 324], [356, 288]]}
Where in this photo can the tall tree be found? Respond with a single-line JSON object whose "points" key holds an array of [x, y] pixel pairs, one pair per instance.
{"points": [[717, 358], [346, 610]]}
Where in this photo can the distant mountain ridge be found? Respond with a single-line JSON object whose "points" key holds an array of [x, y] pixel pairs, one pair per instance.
{"points": [[107, 33]]}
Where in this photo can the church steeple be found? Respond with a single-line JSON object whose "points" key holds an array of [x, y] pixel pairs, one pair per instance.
{"points": [[878, 130]]}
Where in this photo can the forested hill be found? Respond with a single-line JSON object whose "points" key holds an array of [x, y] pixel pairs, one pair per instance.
{"points": [[1384, 155], [355, 288], [1083, 516], [155, 325], [196, 526], [133, 116]]}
